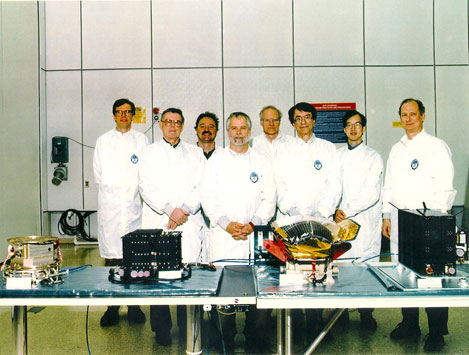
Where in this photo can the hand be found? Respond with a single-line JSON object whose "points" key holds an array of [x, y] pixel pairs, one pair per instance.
{"points": [[386, 228], [177, 217], [237, 230], [339, 216]]}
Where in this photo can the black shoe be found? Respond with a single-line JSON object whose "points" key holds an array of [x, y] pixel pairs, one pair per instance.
{"points": [[433, 343], [163, 337], [135, 315], [110, 317], [367, 322], [405, 330]]}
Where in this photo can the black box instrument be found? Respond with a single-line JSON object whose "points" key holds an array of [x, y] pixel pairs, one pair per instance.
{"points": [[151, 254], [427, 242]]}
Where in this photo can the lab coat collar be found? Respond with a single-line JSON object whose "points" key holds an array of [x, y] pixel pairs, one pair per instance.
{"points": [[174, 146], [120, 134], [233, 153], [352, 148], [421, 135]]}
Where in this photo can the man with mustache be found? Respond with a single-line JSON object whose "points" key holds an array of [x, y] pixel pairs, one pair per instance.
{"points": [[238, 192], [206, 128]]}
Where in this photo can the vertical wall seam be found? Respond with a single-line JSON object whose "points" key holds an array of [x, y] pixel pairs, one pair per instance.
{"points": [[222, 75], [151, 72], [41, 213], [434, 69], [82, 107], [364, 65]]}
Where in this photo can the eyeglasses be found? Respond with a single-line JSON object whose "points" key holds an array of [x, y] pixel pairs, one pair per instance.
{"points": [[177, 123], [356, 125], [271, 120], [123, 113], [307, 118]]}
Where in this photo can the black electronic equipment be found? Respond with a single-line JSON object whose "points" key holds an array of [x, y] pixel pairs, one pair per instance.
{"points": [[427, 242], [151, 254], [59, 150]]}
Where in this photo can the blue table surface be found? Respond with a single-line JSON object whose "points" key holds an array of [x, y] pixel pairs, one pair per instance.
{"points": [[93, 282]]}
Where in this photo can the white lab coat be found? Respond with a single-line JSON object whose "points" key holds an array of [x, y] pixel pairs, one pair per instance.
{"points": [[362, 177], [115, 164], [236, 188], [169, 178], [262, 144], [418, 170], [308, 178]]}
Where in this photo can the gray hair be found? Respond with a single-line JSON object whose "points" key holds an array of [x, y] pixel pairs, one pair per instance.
{"points": [[270, 107], [238, 114]]}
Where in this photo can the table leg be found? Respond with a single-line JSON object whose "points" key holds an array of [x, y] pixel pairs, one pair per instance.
{"points": [[323, 333], [280, 317], [19, 327], [288, 335], [194, 332]]}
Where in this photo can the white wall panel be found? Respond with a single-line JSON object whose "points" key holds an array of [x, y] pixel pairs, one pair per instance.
{"points": [[62, 34], [193, 91], [452, 91], [385, 90], [328, 32], [451, 32], [64, 119], [250, 89], [101, 89], [187, 33], [116, 34], [257, 33], [399, 32]]}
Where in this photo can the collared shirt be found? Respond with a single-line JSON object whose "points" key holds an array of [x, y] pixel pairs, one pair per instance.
{"points": [[262, 144]]}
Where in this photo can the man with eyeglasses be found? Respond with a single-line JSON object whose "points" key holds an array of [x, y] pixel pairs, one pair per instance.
{"points": [[238, 192], [170, 173], [308, 180], [206, 128], [268, 141], [362, 176], [115, 165], [419, 169]]}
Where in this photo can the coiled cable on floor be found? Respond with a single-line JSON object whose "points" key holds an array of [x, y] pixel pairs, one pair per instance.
{"points": [[74, 230]]}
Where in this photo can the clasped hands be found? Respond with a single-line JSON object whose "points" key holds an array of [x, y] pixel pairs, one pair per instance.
{"points": [[239, 231], [177, 217]]}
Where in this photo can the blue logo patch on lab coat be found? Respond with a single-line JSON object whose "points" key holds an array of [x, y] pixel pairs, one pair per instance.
{"points": [[415, 164], [134, 159], [317, 165], [254, 177]]}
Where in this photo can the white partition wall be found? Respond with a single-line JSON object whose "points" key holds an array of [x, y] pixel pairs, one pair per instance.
{"points": [[240, 55]]}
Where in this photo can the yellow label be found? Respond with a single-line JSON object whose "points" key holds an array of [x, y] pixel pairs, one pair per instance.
{"points": [[140, 115], [397, 124]]}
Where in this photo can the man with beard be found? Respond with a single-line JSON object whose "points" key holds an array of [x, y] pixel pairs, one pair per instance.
{"points": [[238, 192], [206, 128]]}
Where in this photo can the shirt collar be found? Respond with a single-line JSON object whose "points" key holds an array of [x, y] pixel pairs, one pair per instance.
{"points": [[352, 148], [174, 146]]}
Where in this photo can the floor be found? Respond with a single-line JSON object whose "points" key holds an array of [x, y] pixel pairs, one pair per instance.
{"points": [[62, 330]]}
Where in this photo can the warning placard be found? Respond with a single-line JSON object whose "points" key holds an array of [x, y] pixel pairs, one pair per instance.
{"points": [[329, 122]]}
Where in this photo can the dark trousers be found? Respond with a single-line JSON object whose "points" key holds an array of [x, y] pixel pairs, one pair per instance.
{"points": [[160, 318], [115, 262], [437, 319]]}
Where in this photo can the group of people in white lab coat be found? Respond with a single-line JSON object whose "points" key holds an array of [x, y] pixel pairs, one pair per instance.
{"points": [[216, 196]]}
